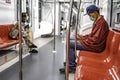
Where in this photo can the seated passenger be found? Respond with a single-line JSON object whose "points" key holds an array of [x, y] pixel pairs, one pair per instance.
{"points": [[28, 34], [95, 41]]}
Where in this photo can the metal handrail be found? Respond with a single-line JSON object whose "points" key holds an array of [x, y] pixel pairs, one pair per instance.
{"points": [[68, 41], [68, 36], [19, 15], [76, 26], [54, 46]]}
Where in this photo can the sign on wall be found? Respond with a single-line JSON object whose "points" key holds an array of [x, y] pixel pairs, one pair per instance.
{"points": [[5, 1], [8, 1]]}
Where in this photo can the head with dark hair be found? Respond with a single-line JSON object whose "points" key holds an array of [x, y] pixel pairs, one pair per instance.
{"points": [[24, 17]]}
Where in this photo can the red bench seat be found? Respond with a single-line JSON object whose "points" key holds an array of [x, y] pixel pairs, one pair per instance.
{"points": [[100, 66], [5, 41]]}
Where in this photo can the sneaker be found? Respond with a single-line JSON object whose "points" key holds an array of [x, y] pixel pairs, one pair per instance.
{"points": [[62, 70], [33, 51], [33, 46], [64, 63]]}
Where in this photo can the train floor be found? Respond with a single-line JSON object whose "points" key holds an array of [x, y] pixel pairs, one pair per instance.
{"points": [[43, 65]]}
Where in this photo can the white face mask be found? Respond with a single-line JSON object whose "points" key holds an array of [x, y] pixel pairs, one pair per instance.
{"points": [[92, 19]]}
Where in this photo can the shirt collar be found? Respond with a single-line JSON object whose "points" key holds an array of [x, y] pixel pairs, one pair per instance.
{"points": [[101, 18]]}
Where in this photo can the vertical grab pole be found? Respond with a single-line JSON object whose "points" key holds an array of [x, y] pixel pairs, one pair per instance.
{"points": [[76, 26], [68, 42], [54, 50], [20, 39], [111, 13]]}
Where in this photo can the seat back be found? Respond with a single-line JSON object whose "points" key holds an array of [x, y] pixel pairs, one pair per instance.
{"points": [[115, 44], [109, 40], [4, 30], [118, 58], [119, 52]]}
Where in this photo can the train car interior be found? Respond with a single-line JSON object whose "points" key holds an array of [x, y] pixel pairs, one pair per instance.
{"points": [[59, 39]]}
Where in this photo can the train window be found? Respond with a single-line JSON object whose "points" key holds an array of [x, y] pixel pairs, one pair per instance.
{"points": [[117, 21], [116, 13], [118, 17]]}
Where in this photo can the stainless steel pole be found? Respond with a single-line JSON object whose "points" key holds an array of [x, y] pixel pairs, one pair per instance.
{"points": [[68, 41], [76, 26], [20, 39], [54, 47]]}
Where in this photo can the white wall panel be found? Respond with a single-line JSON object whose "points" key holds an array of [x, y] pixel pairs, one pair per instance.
{"points": [[7, 12]]}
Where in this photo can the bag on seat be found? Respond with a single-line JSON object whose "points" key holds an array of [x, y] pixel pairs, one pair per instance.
{"points": [[13, 34]]}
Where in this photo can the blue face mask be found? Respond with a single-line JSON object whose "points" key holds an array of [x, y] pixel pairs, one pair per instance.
{"points": [[92, 19]]}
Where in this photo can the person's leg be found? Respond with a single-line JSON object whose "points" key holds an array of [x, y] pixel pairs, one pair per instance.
{"points": [[72, 55], [79, 46], [30, 34], [29, 42]]}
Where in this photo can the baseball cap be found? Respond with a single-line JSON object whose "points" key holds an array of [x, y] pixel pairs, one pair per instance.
{"points": [[91, 9]]}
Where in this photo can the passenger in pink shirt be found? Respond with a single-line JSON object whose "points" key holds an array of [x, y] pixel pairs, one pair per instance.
{"points": [[95, 41]]}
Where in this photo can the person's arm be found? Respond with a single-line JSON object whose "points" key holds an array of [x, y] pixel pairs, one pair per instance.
{"points": [[79, 37], [97, 37]]}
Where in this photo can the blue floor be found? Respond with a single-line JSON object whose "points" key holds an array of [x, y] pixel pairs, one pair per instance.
{"points": [[42, 66]]}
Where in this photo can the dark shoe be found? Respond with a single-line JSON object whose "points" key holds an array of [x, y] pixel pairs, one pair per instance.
{"points": [[62, 70], [33, 46], [33, 51], [72, 70], [64, 63]]}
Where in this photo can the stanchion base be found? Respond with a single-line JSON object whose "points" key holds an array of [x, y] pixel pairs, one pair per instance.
{"points": [[54, 51], [63, 41]]}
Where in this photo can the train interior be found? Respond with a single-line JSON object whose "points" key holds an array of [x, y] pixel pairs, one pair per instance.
{"points": [[51, 21]]}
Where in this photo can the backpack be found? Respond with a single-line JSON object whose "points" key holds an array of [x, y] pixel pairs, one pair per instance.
{"points": [[13, 34]]}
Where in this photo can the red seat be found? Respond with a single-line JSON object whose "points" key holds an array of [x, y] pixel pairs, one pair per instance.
{"points": [[4, 38], [103, 65], [88, 73], [108, 58]]}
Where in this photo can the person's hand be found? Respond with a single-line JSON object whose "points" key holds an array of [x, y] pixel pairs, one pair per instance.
{"points": [[79, 37]]}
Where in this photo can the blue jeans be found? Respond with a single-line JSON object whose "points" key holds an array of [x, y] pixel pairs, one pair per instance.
{"points": [[79, 46]]}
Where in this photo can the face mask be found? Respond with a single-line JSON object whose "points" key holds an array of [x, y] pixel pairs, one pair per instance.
{"points": [[92, 19]]}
